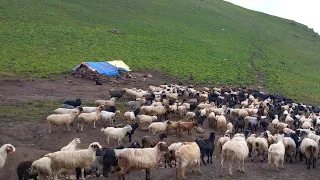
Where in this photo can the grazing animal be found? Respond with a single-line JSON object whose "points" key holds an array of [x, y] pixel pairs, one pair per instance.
{"points": [[206, 147]]}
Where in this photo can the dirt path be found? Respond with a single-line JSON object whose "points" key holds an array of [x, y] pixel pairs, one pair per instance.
{"points": [[32, 139]]}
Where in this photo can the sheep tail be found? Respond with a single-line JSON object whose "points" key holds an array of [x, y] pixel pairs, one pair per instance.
{"points": [[311, 149]]}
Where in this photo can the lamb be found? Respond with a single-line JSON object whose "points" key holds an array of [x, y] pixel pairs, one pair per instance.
{"points": [[4, 150], [73, 159], [149, 141], [60, 119], [146, 110], [309, 148], [110, 117], [146, 119], [140, 159], [107, 103], [236, 147], [276, 153], [72, 146], [43, 167], [25, 172], [188, 154], [260, 146], [117, 133], [89, 117], [158, 127]]}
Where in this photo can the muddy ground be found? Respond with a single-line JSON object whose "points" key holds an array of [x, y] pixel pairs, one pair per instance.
{"points": [[32, 140]]}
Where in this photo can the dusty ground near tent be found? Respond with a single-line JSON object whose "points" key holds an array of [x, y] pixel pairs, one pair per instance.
{"points": [[31, 137]]}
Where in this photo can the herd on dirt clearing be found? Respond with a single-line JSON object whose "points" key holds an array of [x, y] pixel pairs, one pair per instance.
{"points": [[250, 124]]}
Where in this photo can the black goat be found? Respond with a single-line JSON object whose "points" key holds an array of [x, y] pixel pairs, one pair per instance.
{"points": [[206, 147], [116, 93], [24, 171], [75, 103], [239, 124], [134, 126], [149, 97], [200, 119]]}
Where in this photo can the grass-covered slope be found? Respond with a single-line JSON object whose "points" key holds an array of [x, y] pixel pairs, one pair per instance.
{"points": [[217, 41]]}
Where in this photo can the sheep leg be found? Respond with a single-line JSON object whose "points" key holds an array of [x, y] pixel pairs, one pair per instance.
{"points": [[230, 165], [50, 128], [147, 174], [222, 160], [202, 158], [242, 165], [309, 162], [94, 124], [108, 139], [198, 162], [68, 128], [82, 128], [313, 162], [82, 174], [282, 161], [177, 172], [182, 174]]}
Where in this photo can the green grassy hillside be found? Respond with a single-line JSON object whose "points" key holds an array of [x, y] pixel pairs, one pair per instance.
{"points": [[217, 41]]}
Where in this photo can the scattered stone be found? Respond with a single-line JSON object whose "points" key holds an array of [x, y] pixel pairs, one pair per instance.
{"points": [[149, 76], [115, 31], [10, 125]]}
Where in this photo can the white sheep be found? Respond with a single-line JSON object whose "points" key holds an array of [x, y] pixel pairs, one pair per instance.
{"points": [[89, 118], [307, 124], [230, 127], [175, 146], [117, 133], [158, 127], [276, 153], [212, 121], [250, 140], [235, 148], [129, 117], [188, 154], [146, 119], [140, 159], [63, 119], [73, 159], [106, 102], [221, 141], [310, 149], [43, 167], [221, 123], [62, 111], [190, 115], [182, 110], [260, 147], [290, 147], [4, 150], [107, 116], [72, 146]]}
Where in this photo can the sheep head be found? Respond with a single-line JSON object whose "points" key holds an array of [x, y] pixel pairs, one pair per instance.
{"points": [[10, 148], [77, 140], [117, 112], [95, 146], [128, 128], [162, 146]]}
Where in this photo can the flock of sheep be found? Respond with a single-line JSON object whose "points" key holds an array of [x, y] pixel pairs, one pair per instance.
{"points": [[288, 129]]}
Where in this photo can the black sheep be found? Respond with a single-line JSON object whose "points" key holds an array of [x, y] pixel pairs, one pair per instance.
{"points": [[239, 124], [111, 109], [116, 93], [206, 147], [149, 97], [200, 119], [264, 122], [75, 103], [134, 126], [24, 171]]}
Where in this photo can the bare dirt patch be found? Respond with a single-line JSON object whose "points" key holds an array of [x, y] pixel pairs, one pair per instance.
{"points": [[32, 140]]}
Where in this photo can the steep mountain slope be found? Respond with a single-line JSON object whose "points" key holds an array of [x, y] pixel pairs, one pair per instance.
{"points": [[215, 40]]}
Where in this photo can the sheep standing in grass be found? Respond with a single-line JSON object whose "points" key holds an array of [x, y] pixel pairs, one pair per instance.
{"points": [[107, 103], [63, 119], [117, 133], [276, 153], [235, 148], [188, 154], [73, 159], [89, 118], [72, 146], [140, 159], [4, 150]]}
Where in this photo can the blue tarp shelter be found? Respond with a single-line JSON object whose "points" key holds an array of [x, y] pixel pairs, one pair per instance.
{"points": [[103, 68]]}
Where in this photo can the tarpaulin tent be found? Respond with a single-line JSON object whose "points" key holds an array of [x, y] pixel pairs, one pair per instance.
{"points": [[103, 68], [120, 64]]}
